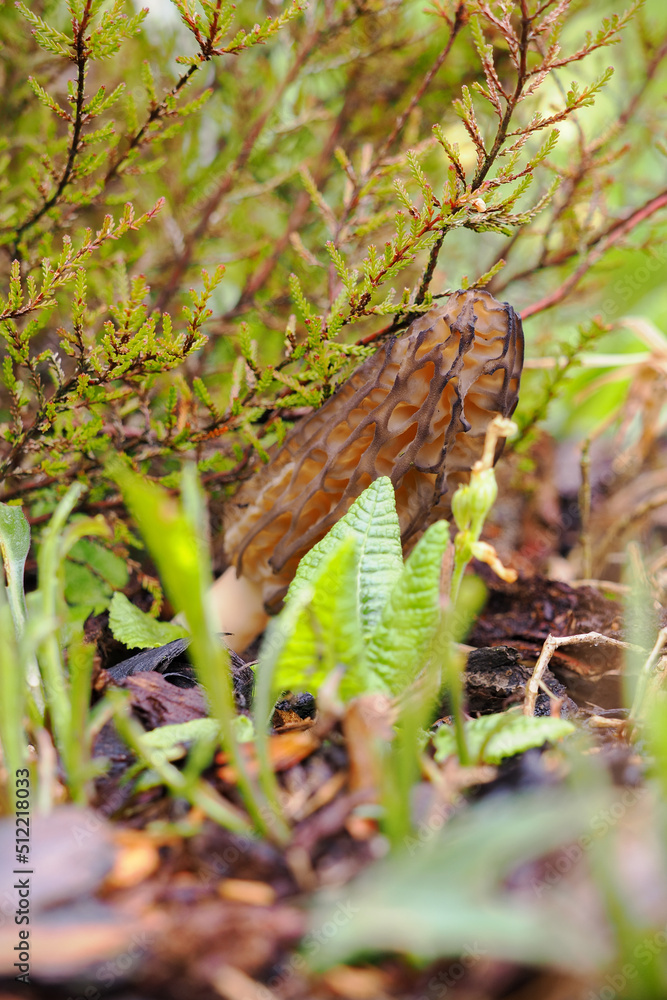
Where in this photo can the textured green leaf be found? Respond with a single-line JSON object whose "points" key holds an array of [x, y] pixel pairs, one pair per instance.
{"points": [[83, 587], [504, 734], [325, 632], [410, 616], [106, 564], [49, 38], [373, 521], [134, 628]]}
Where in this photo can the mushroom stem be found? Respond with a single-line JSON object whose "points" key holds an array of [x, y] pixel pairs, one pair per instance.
{"points": [[239, 608]]}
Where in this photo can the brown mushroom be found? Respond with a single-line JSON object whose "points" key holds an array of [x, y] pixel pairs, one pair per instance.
{"points": [[417, 410]]}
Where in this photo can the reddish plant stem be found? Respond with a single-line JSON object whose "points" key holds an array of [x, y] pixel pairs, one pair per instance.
{"points": [[155, 114], [604, 242], [297, 216], [399, 124], [501, 134], [81, 58], [572, 182], [184, 260]]}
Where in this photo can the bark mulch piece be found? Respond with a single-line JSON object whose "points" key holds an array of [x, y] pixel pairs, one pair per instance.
{"points": [[523, 614], [172, 662], [496, 678]]}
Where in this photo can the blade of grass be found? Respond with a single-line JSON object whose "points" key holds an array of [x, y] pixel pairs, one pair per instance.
{"points": [[12, 699], [57, 540], [81, 656], [174, 537], [14, 548], [186, 785]]}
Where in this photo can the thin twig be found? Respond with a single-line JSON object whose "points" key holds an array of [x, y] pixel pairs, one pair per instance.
{"points": [[631, 517], [614, 588], [551, 644], [180, 266], [501, 134], [399, 124], [599, 244], [574, 178], [427, 276], [157, 112], [297, 215]]}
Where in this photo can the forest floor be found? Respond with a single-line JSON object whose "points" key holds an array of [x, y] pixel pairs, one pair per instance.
{"points": [[140, 896]]}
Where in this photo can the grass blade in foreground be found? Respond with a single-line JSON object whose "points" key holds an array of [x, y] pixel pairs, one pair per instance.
{"points": [[174, 539], [12, 697], [14, 548], [65, 694], [450, 889]]}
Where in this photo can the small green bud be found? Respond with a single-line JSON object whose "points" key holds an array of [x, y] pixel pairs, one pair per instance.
{"points": [[471, 504], [461, 508], [464, 546], [483, 493]]}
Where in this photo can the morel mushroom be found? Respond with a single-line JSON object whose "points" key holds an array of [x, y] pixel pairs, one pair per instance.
{"points": [[417, 410]]}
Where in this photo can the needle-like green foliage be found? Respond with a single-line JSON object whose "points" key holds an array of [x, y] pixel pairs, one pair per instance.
{"points": [[191, 248]]}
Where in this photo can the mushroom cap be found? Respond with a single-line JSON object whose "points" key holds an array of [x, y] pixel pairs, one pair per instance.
{"points": [[417, 411]]}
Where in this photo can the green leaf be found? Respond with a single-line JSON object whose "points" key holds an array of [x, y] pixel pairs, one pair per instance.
{"points": [[325, 632], [12, 696], [49, 38], [175, 537], [373, 521], [57, 539], [245, 729], [83, 587], [171, 539], [168, 737], [136, 629], [411, 614], [14, 547], [504, 734], [102, 561]]}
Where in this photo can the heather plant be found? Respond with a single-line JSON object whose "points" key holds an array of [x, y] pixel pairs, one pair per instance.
{"points": [[316, 170]]}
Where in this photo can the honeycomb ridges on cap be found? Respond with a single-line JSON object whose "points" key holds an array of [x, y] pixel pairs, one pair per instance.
{"points": [[417, 410]]}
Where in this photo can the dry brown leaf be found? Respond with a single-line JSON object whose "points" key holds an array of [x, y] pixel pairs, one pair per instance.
{"points": [[137, 859], [246, 891], [357, 984], [285, 750]]}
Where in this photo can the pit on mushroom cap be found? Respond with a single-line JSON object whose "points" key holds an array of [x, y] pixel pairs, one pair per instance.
{"points": [[416, 411]]}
